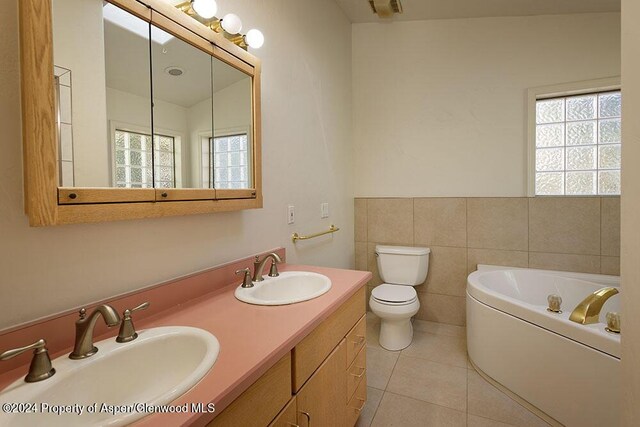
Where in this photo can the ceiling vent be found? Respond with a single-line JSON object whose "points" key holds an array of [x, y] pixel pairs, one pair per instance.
{"points": [[385, 8]]}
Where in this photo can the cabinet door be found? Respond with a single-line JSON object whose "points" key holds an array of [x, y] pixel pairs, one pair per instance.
{"points": [[261, 402], [286, 417], [321, 401]]}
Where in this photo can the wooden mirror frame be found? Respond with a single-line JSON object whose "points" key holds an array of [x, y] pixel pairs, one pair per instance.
{"points": [[48, 204]]}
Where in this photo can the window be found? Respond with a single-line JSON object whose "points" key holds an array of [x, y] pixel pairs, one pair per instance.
{"points": [[577, 144], [229, 156], [134, 164]]}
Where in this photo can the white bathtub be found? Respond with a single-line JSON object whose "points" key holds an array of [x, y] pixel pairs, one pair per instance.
{"points": [[568, 371]]}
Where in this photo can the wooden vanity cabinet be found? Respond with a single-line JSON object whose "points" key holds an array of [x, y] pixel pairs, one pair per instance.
{"points": [[329, 368], [326, 378]]}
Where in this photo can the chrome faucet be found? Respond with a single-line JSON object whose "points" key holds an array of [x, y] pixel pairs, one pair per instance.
{"points": [[258, 266], [83, 346], [588, 311]]}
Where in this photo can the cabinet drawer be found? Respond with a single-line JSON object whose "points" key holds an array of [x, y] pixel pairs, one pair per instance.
{"points": [[356, 372], [261, 402], [312, 350], [356, 340], [355, 405]]}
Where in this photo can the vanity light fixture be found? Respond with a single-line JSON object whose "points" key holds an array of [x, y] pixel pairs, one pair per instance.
{"points": [[205, 8], [254, 38], [229, 25]]}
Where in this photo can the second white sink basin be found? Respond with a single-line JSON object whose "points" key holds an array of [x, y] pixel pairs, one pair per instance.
{"points": [[155, 369], [288, 288]]}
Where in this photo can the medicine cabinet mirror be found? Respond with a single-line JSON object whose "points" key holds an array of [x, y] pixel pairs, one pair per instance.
{"points": [[131, 109]]}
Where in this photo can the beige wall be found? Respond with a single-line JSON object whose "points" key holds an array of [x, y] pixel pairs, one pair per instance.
{"points": [[439, 106], [555, 233], [630, 209], [306, 101]]}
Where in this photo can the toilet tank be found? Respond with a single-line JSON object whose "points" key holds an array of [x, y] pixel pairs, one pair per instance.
{"points": [[403, 265]]}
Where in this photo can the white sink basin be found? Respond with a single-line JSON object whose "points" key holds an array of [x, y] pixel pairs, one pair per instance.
{"points": [[288, 288], [158, 367]]}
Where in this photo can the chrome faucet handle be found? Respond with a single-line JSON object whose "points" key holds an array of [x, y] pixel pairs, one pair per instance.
{"points": [[273, 270], [246, 280], [613, 322], [40, 368], [554, 303], [127, 330]]}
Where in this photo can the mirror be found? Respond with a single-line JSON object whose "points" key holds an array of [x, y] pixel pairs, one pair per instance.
{"points": [[149, 113], [229, 152], [138, 107]]}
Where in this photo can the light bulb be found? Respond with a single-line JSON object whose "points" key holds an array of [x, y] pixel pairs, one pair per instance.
{"points": [[254, 38], [231, 23], [205, 8]]}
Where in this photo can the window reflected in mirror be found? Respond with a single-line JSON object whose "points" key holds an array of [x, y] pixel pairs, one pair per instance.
{"points": [[182, 109], [229, 151]]}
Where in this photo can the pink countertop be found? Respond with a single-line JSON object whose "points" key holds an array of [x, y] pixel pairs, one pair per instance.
{"points": [[252, 338]]}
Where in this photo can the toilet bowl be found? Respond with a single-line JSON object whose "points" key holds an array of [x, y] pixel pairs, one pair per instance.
{"points": [[396, 301]]}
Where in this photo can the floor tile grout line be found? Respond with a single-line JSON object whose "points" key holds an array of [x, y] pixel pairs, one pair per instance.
{"points": [[450, 365], [504, 394], [467, 377], [377, 407], [424, 401], [392, 370]]}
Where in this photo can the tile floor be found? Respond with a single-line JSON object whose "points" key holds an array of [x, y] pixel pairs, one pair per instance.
{"points": [[431, 384]]}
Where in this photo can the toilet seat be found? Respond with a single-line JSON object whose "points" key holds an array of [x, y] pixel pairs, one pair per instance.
{"points": [[388, 294]]}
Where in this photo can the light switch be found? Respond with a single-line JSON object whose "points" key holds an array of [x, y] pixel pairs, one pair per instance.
{"points": [[291, 215], [324, 210]]}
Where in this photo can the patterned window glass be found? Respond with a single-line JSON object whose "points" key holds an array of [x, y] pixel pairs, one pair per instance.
{"points": [[578, 145], [136, 158], [230, 161]]}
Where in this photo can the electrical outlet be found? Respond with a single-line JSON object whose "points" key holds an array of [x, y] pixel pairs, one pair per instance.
{"points": [[324, 210], [291, 215]]}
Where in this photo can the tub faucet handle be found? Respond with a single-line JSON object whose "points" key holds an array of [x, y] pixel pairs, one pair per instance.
{"points": [[613, 322], [555, 301]]}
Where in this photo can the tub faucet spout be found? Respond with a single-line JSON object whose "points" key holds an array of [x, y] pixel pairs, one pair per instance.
{"points": [[588, 311]]}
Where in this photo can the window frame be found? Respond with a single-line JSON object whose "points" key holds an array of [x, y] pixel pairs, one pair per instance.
{"points": [[558, 91]]}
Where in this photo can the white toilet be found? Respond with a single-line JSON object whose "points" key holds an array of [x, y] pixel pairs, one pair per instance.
{"points": [[395, 301]]}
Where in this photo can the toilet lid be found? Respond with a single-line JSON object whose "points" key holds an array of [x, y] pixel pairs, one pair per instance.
{"points": [[394, 293]]}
